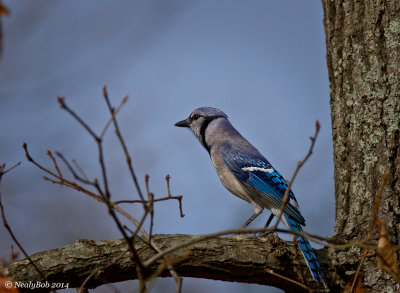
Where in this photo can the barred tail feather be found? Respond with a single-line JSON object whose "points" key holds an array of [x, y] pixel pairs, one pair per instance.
{"points": [[307, 251]]}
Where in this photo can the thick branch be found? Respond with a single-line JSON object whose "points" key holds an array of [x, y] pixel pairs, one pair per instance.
{"points": [[238, 258]]}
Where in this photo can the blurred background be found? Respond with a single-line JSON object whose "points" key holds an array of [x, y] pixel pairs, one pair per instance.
{"points": [[261, 62]]}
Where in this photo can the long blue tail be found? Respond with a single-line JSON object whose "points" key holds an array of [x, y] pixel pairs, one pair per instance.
{"points": [[307, 251]]}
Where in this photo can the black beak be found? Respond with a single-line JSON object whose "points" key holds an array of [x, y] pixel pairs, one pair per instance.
{"points": [[183, 123]]}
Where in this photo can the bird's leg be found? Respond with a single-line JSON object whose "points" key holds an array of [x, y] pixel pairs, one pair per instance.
{"points": [[255, 215], [271, 216]]}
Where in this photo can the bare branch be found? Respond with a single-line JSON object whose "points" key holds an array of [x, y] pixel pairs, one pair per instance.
{"points": [[4, 171], [84, 180], [179, 198], [125, 98], [149, 206], [80, 170], [123, 145], [8, 228], [105, 194], [61, 101], [167, 178], [299, 165], [251, 261], [54, 162]]}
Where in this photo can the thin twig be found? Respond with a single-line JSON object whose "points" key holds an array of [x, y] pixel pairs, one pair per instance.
{"points": [[221, 233], [106, 192], [299, 165], [125, 98], [167, 178], [76, 176], [166, 263], [54, 162], [8, 228], [287, 279], [30, 159], [140, 268], [97, 270], [61, 101], [14, 254], [174, 274], [378, 202], [123, 145], [179, 198], [80, 169], [3, 166], [146, 212], [73, 185], [295, 241], [363, 256], [150, 206], [311, 237]]}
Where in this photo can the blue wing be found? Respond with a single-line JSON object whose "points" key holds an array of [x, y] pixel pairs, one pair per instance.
{"points": [[259, 178]]}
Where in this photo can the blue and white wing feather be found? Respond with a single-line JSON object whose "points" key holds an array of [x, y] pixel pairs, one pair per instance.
{"points": [[258, 173]]}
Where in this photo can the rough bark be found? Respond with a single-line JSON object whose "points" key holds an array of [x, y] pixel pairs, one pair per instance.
{"points": [[236, 258], [363, 56]]}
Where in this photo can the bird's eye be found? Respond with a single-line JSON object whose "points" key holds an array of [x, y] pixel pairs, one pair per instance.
{"points": [[195, 117]]}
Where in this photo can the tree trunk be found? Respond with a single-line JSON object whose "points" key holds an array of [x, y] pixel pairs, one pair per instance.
{"points": [[363, 56]]}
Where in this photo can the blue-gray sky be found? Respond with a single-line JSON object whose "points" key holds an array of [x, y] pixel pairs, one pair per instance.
{"points": [[261, 62]]}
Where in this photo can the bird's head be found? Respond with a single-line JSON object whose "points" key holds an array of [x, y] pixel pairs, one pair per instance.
{"points": [[199, 119]]}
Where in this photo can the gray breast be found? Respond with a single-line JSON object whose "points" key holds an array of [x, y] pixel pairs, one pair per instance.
{"points": [[227, 178]]}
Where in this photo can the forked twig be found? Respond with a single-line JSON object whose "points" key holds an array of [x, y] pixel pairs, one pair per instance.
{"points": [[122, 142], [54, 162], [4, 171], [112, 118]]}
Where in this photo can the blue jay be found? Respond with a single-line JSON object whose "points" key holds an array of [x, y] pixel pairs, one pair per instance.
{"points": [[245, 172]]}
